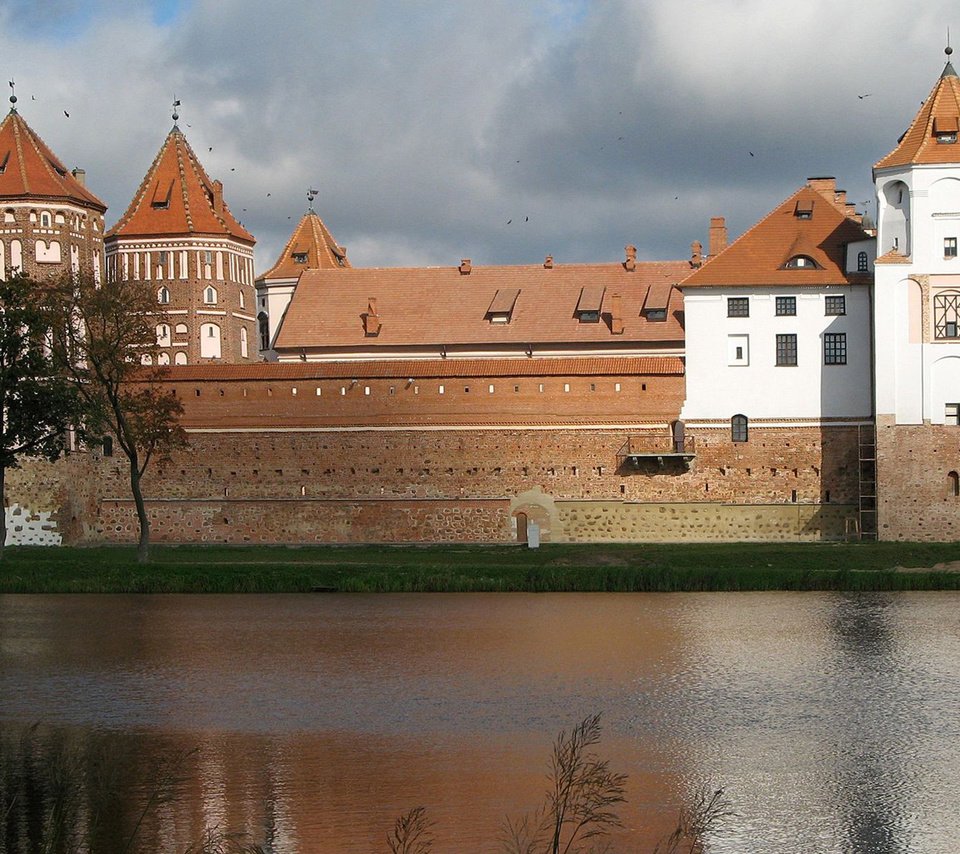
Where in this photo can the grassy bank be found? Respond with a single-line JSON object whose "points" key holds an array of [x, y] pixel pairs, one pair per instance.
{"points": [[608, 567]]}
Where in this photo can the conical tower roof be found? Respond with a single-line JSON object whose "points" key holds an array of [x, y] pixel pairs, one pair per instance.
{"points": [[177, 197], [29, 169], [311, 240], [927, 139]]}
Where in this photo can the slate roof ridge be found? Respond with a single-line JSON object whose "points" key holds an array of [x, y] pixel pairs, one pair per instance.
{"points": [[53, 180]]}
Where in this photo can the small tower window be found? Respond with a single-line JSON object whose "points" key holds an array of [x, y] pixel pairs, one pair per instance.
{"points": [[299, 257], [949, 247], [210, 295], [801, 262], [163, 296], [45, 219]]}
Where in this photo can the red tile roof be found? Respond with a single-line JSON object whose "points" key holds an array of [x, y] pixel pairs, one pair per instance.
{"points": [[441, 305], [759, 256], [311, 238], [28, 169], [177, 197], [663, 366], [940, 113]]}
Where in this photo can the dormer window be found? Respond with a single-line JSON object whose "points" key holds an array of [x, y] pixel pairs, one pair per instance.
{"points": [[656, 314], [801, 262], [804, 209], [3, 163], [589, 304], [945, 129], [299, 257], [161, 196], [501, 307]]}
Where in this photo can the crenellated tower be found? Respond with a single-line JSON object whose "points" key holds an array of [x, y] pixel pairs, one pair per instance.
{"points": [[52, 224], [179, 238]]}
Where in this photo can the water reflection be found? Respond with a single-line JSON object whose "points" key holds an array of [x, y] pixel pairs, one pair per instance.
{"points": [[307, 724]]}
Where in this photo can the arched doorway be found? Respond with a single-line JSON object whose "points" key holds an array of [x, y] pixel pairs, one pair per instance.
{"points": [[521, 527]]}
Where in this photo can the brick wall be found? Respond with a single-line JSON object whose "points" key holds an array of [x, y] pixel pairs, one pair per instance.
{"points": [[917, 497], [466, 484]]}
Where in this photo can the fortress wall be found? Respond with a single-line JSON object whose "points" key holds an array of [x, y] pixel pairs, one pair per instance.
{"points": [[468, 484]]}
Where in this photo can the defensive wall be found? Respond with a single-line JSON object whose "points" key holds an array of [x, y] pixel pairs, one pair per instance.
{"points": [[592, 457]]}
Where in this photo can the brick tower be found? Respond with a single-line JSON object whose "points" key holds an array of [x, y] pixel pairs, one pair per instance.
{"points": [[311, 247], [51, 223], [179, 238]]}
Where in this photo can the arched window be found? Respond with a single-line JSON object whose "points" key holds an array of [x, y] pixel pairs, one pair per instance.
{"points": [[181, 329], [146, 359], [242, 299], [180, 358], [953, 484], [210, 295], [163, 335], [45, 219], [243, 342], [801, 262], [163, 296], [209, 341], [163, 359], [739, 428], [264, 325], [863, 265]]}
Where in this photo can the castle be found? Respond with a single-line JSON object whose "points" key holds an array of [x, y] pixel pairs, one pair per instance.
{"points": [[800, 383]]}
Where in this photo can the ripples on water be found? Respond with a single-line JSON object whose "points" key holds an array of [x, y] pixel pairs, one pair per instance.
{"points": [[829, 718]]}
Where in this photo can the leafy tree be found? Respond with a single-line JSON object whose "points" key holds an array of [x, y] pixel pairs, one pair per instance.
{"points": [[36, 403], [101, 333]]}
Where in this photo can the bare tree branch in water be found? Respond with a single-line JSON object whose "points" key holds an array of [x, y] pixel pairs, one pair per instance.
{"points": [[412, 833], [215, 841]]}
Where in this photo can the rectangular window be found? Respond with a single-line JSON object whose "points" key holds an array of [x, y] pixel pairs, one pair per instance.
{"points": [[738, 306], [786, 350], [952, 414], [786, 306], [835, 306], [738, 350], [834, 348], [950, 329], [949, 247]]}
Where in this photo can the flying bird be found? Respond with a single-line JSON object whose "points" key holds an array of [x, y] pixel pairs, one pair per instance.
{"points": [[66, 114], [526, 219], [865, 95], [509, 221], [268, 194], [210, 148], [750, 153], [233, 168]]}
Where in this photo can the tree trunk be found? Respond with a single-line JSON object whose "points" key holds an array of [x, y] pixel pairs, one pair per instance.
{"points": [[3, 509], [143, 544]]}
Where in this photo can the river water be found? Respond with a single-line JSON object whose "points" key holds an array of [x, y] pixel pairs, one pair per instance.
{"points": [[309, 723]]}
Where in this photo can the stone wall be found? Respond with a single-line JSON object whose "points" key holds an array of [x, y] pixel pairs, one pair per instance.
{"points": [[918, 481], [447, 484]]}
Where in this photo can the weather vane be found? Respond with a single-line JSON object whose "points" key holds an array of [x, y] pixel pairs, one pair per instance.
{"points": [[311, 195], [13, 96], [176, 103]]}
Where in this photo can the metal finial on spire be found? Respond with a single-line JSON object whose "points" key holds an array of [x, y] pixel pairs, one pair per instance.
{"points": [[311, 195], [13, 96], [176, 103], [948, 50]]}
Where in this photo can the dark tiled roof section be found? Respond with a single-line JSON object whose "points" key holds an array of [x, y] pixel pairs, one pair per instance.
{"points": [[177, 198], [758, 257], [29, 169], [442, 305]]}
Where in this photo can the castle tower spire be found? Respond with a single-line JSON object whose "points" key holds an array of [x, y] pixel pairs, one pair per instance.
{"points": [[179, 235], [52, 222]]}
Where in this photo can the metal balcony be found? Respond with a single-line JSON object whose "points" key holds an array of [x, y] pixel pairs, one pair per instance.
{"points": [[639, 450]]}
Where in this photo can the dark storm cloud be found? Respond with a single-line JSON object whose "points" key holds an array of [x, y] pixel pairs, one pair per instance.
{"points": [[497, 131]]}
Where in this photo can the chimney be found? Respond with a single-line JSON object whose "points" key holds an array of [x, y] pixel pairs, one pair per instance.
{"points": [[464, 267], [616, 315], [371, 320], [718, 235], [80, 176], [696, 254], [548, 262], [218, 197], [840, 198], [823, 184], [631, 263]]}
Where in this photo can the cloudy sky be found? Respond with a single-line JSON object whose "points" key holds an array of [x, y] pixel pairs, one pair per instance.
{"points": [[500, 130]]}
